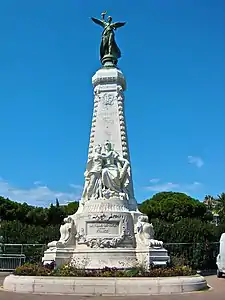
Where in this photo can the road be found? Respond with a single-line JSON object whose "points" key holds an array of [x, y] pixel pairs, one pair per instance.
{"points": [[216, 293]]}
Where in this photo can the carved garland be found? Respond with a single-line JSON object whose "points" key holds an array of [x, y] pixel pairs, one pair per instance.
{"points": [[92, 135], [120, 101], [105, 243]]}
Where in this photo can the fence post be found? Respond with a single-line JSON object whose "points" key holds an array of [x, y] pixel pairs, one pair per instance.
{"points": [[1, 238]]}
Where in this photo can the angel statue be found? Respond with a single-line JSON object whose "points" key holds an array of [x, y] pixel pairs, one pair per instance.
{"points": [[108, 43]]}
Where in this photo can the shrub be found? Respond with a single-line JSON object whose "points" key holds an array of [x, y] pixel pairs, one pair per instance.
{"points": [[70, 271], [173, 271], [32, 270]]}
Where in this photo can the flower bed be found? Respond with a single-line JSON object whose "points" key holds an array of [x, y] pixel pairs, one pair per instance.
{"points": [[71, 271]]}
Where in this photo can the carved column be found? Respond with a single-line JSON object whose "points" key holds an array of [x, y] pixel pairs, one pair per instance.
{"points": [[108, 120]]}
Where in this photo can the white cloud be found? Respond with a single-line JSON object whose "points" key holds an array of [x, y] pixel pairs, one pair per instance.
{"points": [[38, 194], [37, 182], [154, 180], [160, 187], [76, 186], [192, 187], [198, 161], [172, 186], [195, 184]]}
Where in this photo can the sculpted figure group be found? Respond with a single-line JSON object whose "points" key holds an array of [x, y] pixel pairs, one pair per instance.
{"points": [[107, 174]]}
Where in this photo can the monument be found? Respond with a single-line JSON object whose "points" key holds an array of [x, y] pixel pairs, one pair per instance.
{"points": [[108, 229]]}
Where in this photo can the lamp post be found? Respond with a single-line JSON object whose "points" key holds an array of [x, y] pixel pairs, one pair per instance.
{"points": [[216, 218], [1, 238]]}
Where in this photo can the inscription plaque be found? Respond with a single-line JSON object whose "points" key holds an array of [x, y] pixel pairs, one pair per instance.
{"points": [[103, 228]]}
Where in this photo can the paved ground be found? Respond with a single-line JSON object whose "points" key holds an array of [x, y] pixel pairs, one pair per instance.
{"points": [[217, 293]]}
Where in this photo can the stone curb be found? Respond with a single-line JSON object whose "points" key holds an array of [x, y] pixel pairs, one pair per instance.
{"points": [[92, 286]]}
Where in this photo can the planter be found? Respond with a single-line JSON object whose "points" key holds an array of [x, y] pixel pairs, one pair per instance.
{"points": [[105, 286]]}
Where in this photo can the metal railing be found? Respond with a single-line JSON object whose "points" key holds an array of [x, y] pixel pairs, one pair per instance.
{"points": [[15, 255], [11, 262], [22, 248], [197, 255]]}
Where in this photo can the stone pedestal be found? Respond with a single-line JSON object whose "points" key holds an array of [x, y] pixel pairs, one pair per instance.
{"points": [[107, 230]]}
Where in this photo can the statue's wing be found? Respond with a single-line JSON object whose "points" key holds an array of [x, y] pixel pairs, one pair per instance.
{"points": [[118, 24], [99, 22]]}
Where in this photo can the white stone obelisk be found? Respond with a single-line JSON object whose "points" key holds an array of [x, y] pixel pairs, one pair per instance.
{"points": [[109, 123]]}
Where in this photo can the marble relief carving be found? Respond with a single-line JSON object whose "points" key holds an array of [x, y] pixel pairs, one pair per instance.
{"points": [[106, 175], [107, 100]]}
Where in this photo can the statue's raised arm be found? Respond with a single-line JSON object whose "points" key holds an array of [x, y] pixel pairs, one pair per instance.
{"points": [[109, 51]]}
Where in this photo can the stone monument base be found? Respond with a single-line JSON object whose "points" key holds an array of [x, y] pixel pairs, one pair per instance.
{"points": [[107, 234], [153, 257], [92, 258], [101, 258], [112, 258]]}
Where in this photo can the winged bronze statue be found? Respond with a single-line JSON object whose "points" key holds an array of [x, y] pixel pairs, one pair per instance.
{"points": [[108, 44]]}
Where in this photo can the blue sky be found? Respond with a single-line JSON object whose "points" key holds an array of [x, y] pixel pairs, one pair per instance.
{"points": [[174, 63]]}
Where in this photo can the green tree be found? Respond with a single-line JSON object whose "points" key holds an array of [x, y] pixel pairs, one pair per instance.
{"points": [[15, 232], [57, 202], [174, 206], [38, 216], [71, 208], [190, 241], [55, 214]]}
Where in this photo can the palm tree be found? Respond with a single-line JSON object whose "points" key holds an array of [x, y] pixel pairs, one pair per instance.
{"points": [[210, 202], [220, 207]]}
